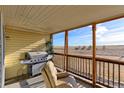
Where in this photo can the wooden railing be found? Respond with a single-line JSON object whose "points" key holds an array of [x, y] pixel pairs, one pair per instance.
{"points": [[110, 73], [59, 60]]}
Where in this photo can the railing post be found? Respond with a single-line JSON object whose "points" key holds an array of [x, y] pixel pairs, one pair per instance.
{"points": [[51, 40], [66, 51], [94, 54]]}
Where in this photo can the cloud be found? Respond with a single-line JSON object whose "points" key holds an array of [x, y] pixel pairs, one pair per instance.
{"points": [[101, 30], [113, 36], [80, 40]]}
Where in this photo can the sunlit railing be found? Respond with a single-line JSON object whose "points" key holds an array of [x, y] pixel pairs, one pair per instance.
{"points": [[110, 73]]}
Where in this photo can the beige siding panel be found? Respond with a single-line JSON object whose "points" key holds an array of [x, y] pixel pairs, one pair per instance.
{"points": [[17, 44]]}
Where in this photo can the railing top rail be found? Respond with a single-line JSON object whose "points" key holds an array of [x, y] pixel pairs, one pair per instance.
{"points": [[120, 62]]}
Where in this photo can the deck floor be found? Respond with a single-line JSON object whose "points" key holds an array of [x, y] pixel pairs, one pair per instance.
{"points": [[38, 82]]}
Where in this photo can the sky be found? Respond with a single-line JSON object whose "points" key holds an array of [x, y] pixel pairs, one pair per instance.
{"points": [[108, 33]]}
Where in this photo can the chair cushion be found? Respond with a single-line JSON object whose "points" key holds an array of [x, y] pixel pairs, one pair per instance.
{"points": [[53, 79], [46, 78], [51, 71]]}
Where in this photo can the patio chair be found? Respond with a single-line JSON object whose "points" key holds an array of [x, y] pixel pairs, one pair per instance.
{"points": [[54, 79]]}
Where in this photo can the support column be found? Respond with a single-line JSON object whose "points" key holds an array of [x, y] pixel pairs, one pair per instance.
{"points": [[2, 68], [51, 40], [94, 54], [66, 51]]}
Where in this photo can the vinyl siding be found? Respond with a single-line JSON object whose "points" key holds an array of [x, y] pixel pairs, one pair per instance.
{"points": [[16, 44]]}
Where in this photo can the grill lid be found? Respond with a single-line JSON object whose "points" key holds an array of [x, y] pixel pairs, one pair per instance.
{"points": [[32, 55]]}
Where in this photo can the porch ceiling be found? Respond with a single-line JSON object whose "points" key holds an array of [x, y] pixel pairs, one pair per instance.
{"points": [[50, 19]]}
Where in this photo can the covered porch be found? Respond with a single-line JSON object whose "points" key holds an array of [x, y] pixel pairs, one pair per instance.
{"points": [[29, 28]]}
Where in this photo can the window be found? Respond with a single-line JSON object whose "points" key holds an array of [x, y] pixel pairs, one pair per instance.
{"points": [[59, 42], [110, 38], [80, 41]]}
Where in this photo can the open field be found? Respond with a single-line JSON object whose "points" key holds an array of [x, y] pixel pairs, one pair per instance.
{"points": [[109, 52], [112, 52]]}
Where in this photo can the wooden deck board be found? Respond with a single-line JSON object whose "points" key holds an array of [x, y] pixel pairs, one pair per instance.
{"points": [[37, 82]]}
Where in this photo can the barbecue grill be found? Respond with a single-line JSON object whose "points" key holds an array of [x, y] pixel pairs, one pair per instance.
{"points": [[35, 62]]}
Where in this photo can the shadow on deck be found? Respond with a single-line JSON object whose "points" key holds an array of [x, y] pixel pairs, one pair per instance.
{"points": [[38, 82]]}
